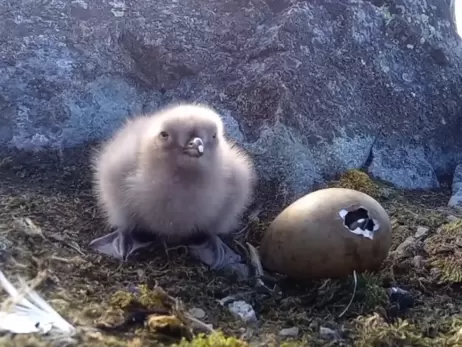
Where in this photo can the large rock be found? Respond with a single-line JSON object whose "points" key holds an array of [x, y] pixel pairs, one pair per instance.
{"points": [[310, 88], [456, 197]]}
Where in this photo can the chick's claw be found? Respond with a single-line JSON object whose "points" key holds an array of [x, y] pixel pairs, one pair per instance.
{"points": [[118, 244], [218, 256]]}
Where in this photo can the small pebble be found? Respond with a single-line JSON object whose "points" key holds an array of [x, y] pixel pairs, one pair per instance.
{"points": [[421, 232], [95, 335], [404, 246], [242, 310], [386, 192], [246, 333], [5, 248], [289, 332], [423, 279], [140, 273], [197, 312], [5, 244], [418, 261], [328, 334]]}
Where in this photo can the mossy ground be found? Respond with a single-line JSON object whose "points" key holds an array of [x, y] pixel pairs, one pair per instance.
{"points": [[48, 216]]}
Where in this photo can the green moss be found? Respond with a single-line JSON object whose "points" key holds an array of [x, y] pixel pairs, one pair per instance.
{"points": [[39, 188], [374, 331], [168, 327], [121, 299], [154, 298], [451, 332], [216, 339], [374, 294], [445, 250], [358, 180], [449, 270], [293, 344], [145, 298]]}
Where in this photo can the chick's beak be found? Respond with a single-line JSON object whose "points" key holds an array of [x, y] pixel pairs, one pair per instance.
{"points": [[195, 147]]}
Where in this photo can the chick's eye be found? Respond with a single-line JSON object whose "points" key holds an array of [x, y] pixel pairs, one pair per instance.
{"points": [[214, 136], [163, 134]]}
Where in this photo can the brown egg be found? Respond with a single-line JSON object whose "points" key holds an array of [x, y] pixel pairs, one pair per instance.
{"points": [[327, 234]]}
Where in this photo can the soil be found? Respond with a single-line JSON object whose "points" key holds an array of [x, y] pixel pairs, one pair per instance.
{"points": [[48, 216]]}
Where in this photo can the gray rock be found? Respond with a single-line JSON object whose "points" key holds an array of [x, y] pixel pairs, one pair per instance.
{"points": [[405, 248], [311, 89], [452, 218], [411, 168], [421, 232], [418, 260], [289, 332], [197, 312], [329, 334], [456, 199], [5, 246], [457, 179]]}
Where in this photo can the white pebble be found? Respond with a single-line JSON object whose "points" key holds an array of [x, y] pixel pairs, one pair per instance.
{"points": [[242, 310]]}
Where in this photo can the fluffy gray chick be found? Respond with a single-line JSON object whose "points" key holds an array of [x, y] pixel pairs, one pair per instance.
{"points": [[172, 175]]}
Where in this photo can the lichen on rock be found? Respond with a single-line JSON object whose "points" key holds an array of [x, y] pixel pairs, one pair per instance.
{"points": [[310, 89]]}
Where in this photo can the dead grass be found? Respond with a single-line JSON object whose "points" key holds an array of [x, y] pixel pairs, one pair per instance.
{"points": [[48, 216]]}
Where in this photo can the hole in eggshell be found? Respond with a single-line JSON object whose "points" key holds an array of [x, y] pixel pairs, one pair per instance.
{"points": [[359, 222]]}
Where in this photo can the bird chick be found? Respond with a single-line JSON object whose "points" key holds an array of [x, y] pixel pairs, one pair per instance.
{"points": [[171, 175]]}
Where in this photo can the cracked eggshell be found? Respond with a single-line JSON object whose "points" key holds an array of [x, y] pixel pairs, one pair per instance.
{"points": [[309, 240]]}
